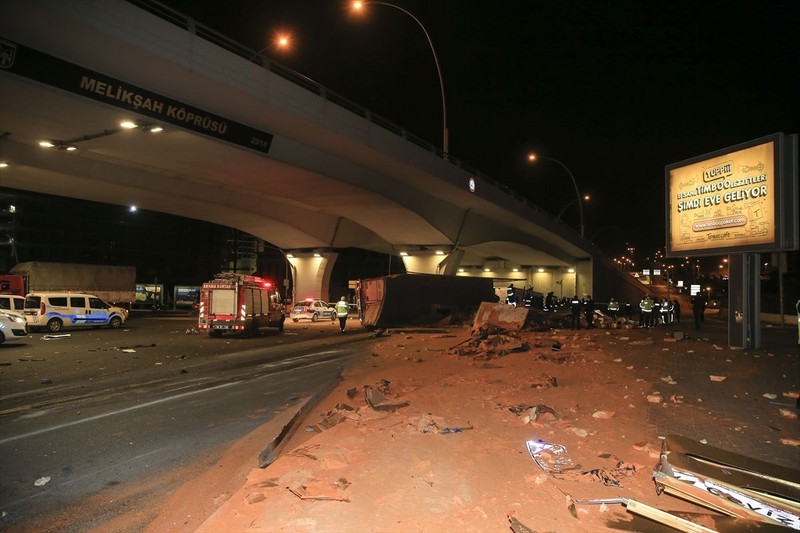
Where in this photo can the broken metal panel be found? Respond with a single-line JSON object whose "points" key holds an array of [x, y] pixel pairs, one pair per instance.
{"points": [[501, 316], [733, 469], [729, 483]]}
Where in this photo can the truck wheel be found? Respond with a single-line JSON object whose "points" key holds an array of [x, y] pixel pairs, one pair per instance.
{"points": [[314, 317], [54, 325], [295, 319], [115, 322]]}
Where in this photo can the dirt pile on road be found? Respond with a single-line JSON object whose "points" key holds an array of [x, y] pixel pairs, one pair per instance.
{"points": [[426, 435]]}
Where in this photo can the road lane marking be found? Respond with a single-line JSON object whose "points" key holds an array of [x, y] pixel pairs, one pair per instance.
{"points": [[113, 413]]}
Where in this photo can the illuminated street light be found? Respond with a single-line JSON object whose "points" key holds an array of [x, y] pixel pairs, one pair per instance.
{"points": [[280, 41], [534, 157], [358, 7]]}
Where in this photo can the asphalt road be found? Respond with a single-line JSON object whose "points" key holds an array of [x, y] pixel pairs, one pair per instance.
{"points": [[104, 408]]}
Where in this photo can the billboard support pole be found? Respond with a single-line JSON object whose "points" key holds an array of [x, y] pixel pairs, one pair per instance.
{"points": [[744, 301]]}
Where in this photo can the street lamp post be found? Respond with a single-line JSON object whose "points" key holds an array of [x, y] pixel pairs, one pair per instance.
{"points": [[359, 5], [533, 157], [564, 209]]}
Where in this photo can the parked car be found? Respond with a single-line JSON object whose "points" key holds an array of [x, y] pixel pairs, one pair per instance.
{"points": [[54, 311], [12, 327], [12, 302], [312, 309]]}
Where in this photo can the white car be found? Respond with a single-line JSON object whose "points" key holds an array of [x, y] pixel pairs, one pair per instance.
{"points": [[12, 327], [12, 302], [312, 309], [54, 311]]}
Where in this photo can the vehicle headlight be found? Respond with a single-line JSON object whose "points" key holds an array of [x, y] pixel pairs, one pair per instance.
{"points": [[15, 318]]}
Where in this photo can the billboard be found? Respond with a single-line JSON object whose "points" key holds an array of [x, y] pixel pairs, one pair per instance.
{"points": [[739, 199]]}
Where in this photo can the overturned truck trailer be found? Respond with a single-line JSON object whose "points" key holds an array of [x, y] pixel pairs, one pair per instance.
{"points": [[420, 299]]}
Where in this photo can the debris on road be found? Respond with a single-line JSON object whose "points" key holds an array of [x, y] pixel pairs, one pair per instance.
{"points": [[728, 483], [429, 424], [517, 526], [379, 402], [499, 316], [319, 492], [42, 481], [545, 381], [657, 515], [552, 458], [54, 337], [330, 419]]}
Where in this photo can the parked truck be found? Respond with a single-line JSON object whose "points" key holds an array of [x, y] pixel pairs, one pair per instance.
{"points": [[418, 299], [239, 303], [113, 284]]}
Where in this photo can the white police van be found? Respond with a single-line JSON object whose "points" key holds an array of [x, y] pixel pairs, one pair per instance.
{"points": [[53, 311]]}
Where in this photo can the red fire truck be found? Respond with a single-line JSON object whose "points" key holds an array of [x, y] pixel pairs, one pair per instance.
{"points": [[239, 303]]}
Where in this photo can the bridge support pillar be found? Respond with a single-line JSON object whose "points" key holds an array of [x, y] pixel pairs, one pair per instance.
{"points": [[449, 266], [431, 263], [312, 275]]}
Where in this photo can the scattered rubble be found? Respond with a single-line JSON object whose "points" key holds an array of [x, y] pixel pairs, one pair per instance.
{"points": [[379, 402], [521, 393]]}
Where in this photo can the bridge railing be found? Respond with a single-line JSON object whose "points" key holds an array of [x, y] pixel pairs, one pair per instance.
{"points": [[187, 23]]}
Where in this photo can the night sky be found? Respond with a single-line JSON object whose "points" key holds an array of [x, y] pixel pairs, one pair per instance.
{"points": [[614, 90]]}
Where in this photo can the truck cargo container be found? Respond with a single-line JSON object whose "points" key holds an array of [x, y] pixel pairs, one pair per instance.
{"points": [[419, 299], [113, 284]]}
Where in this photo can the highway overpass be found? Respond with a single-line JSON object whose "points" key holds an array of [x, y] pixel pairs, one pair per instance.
{"points": [[224, 135]]}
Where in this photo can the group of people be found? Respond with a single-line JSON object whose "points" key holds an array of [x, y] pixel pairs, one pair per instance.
{"points": [[655, 311], [523, 297], [583, 306]]}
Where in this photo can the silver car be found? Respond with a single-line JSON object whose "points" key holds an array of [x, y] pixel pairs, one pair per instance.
{"points": [[13, 327], [312, 309]]}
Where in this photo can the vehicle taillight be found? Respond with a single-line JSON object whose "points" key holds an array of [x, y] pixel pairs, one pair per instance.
{"points": [[42, 309]]}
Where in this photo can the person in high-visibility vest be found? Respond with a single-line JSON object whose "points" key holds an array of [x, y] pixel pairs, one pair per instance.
{"points": [[666, 312], [613, 309], [646, 307], [342, 308]]}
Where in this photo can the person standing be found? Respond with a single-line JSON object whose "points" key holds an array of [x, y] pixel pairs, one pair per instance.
{"points": [[666, 311], [575, 304], [613, 309], [698, 309], [550, 302], [511, 296], [645, 310], [342, 309], [676, 310], [588, 310]]}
